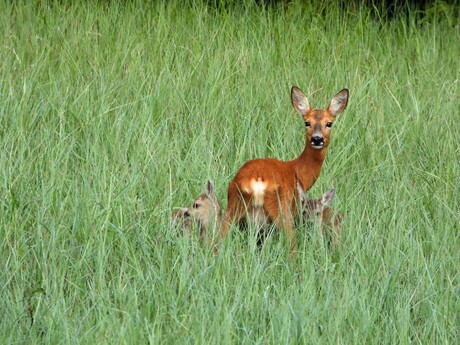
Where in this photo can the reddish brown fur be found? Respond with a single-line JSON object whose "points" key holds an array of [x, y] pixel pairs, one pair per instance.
{"points": [[280, 177]]}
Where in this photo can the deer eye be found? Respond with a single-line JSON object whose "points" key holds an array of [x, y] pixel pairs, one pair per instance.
{"points": [[195, 205], [307, 123], [328, 124]]}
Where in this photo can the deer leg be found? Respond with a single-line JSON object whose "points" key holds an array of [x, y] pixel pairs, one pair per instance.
{"points": [[284, 222], [234, 213], [281, 213]]}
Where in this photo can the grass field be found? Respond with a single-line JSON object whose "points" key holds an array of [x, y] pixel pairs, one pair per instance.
{"points": [[112, 115]]}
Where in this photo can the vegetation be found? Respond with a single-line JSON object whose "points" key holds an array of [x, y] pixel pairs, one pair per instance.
{"points": [[112, 114]]}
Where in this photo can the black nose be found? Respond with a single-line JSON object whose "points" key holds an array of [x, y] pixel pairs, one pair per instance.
{"points": [[187, 214], [317, 140]]}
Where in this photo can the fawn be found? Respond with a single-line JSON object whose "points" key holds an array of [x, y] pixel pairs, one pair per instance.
{"points": [[268, 186], [204, 211], [317, 212]]}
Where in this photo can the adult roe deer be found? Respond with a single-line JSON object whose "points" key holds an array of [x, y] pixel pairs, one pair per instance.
{"points": [[268, 185], [318, 212]]}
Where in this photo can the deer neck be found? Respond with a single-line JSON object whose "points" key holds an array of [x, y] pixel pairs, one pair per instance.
{"points": [[308, 165]]}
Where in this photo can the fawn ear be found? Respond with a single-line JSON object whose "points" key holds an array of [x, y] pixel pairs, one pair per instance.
{"points": [[339, 102], [328, 197], [302, 195], [211, 191], [299, 101]]}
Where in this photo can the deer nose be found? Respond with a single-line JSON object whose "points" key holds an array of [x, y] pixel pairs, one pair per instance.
{"points": [[187, 214], [317, 140]]}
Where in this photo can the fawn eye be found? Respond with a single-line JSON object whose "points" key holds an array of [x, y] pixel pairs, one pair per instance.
{"points": [[329, 124], [195, 205], [307, 123]]}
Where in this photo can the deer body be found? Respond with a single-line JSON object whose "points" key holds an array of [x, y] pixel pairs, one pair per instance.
{"points": [[270, 184]]}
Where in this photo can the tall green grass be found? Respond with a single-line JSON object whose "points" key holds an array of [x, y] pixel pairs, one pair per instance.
{"points": [[113, 114]]}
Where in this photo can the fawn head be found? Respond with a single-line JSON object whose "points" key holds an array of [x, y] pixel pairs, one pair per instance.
{"points": [[313, 209], [204, 210], [318, 122]]}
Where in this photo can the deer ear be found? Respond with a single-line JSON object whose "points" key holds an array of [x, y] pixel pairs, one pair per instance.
{"points": [[328, 197], [211, 191], [339, 102], [302, 195], [299, 101]]}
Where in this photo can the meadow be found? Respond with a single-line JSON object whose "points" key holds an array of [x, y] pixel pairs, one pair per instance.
{"points": [[112, 114]]}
